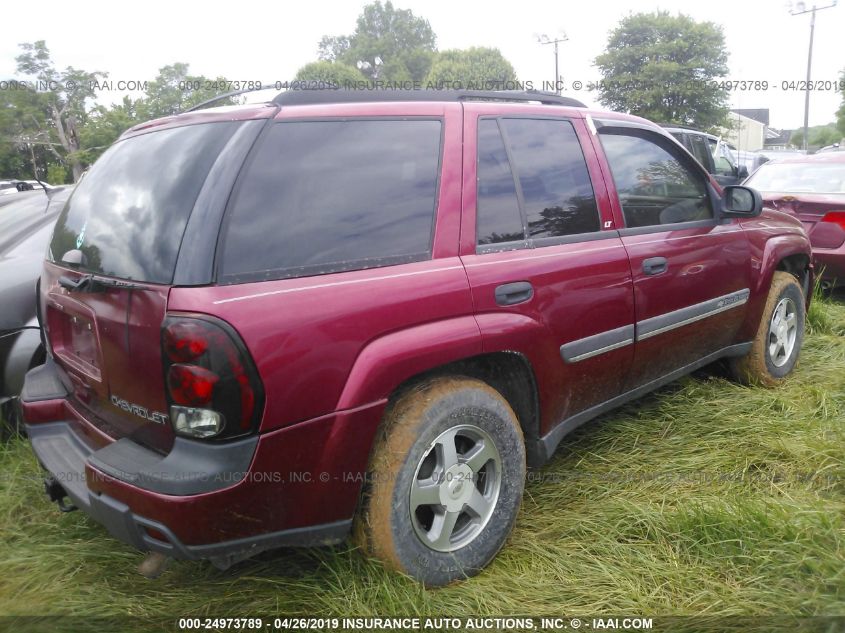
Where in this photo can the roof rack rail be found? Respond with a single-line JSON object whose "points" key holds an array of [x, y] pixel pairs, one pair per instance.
{"points": [[225, 95], [309, 96], [317, 96]]}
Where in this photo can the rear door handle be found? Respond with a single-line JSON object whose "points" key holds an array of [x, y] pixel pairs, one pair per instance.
{"points": [[655, 265], [511, 294]]}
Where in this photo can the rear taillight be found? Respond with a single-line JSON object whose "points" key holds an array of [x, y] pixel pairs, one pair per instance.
{"points": [[212, 386], [836, 217]]}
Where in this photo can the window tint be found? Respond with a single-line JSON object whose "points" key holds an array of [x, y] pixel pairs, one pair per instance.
{"points": [[654, 187], [324, 196], [128, 214], [498, 219], [552, 173]]}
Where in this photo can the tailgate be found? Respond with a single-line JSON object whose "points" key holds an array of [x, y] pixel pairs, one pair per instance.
{"points": [[109, 343]]}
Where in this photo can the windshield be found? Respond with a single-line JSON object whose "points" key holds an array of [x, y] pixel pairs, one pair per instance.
{"points": [[799, 178], [128, 214]]}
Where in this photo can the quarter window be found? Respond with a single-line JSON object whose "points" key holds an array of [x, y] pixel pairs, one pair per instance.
{"points": [[654, 186], [324, 196]]}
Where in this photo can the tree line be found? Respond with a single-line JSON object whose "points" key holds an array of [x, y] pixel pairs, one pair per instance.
{"points": [[656, 65]]}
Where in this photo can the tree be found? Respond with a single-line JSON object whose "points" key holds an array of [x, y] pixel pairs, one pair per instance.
{"points": [[477, 68], [388, 44], [334, 73], [63, 102], [663, 68], [105, 125], [174, 90], [818, 135]]}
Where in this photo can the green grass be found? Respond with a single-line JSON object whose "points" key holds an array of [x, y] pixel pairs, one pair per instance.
{"points": [[704, 498]]}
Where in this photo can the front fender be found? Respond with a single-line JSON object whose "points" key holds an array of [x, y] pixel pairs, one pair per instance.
{"points": [[767, 254], [388, 361]]}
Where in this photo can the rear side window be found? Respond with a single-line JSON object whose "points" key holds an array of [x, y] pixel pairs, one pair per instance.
{"points": [[556, 188], [128, 214], [499, 219], [532, 172], [325, 196]]}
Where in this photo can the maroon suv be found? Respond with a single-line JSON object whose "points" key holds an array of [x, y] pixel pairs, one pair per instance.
{"points": [[269, 324]]}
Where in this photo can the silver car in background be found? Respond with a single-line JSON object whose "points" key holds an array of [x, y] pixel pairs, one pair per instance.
{"points": [[26, 224]]}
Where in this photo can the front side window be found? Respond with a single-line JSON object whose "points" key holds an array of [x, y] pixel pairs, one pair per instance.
{"points": [[654, 186], [325, 196]]}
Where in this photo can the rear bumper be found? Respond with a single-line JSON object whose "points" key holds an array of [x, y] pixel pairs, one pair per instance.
{"points": [[297, 486]]}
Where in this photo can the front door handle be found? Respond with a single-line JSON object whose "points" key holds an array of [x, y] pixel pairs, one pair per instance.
{"points": [[655, 265], [511, 294]]}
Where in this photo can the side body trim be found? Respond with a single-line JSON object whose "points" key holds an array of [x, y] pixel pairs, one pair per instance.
{"points": [[585, 348], [591, 346], [679, 318]]}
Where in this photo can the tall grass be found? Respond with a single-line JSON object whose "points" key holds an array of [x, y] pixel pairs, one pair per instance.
{"points": [[705, 498]]}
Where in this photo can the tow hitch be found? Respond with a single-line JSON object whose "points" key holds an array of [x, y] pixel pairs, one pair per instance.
{"points": [[57, 493]]}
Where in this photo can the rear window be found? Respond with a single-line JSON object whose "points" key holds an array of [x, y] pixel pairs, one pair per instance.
{"points": [[128, 214], [325, 196]]}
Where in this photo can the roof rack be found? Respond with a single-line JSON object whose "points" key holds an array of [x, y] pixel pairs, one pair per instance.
{"points": [[311, 96], [316, 96]]}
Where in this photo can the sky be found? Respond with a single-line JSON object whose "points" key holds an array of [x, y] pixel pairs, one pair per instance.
{"points": [[268, 42]]}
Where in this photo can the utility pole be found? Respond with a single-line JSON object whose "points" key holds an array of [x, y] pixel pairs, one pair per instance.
{"points": [[800, 9], [545, 39]]}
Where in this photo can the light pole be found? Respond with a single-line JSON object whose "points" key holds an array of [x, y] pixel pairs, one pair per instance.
{"points": [[800, 9], [545, 39]]}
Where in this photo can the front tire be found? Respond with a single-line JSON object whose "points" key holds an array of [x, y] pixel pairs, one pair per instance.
{"points": [[775, 348], [446, 481]]}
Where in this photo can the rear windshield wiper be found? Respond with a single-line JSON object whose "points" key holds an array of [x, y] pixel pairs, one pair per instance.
{"points": [[92, 283]]}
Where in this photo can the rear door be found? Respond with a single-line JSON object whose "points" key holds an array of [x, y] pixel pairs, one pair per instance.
{"points": [[691, 270], [124, 225], [549, 275]]}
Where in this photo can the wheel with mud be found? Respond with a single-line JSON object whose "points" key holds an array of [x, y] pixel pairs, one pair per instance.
{"points": [[775, 348], [445, 482]]}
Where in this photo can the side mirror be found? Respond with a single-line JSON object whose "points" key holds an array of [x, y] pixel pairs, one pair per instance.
{"points": [[74, 258], [742, 172], [741, 202]]}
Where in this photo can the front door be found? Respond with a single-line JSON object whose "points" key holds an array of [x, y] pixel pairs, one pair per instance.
{"points": [[691, 269]]}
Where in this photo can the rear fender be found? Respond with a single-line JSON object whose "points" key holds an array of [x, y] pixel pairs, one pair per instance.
{"points": [[388, 361]]}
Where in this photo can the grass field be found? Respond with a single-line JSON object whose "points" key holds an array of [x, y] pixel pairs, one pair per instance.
{"points": [[704, 498]]}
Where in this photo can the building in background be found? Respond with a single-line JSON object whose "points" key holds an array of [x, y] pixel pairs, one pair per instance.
{"points": [[748, 129]]}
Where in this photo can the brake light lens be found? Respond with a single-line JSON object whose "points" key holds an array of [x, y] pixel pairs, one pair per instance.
{"points": [[837, 217], [184, 341], [191, 385], [213, 388]]}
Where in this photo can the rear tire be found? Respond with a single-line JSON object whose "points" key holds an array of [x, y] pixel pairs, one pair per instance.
{"points": [[446, 481], [775, 348]]}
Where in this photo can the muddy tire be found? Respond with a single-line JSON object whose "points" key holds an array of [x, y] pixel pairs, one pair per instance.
{"points": [[445, 483], [775, 348]]}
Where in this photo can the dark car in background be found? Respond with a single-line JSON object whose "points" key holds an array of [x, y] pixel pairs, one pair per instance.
{"points": [[713, 153], [812, 188], [26, 223]]}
